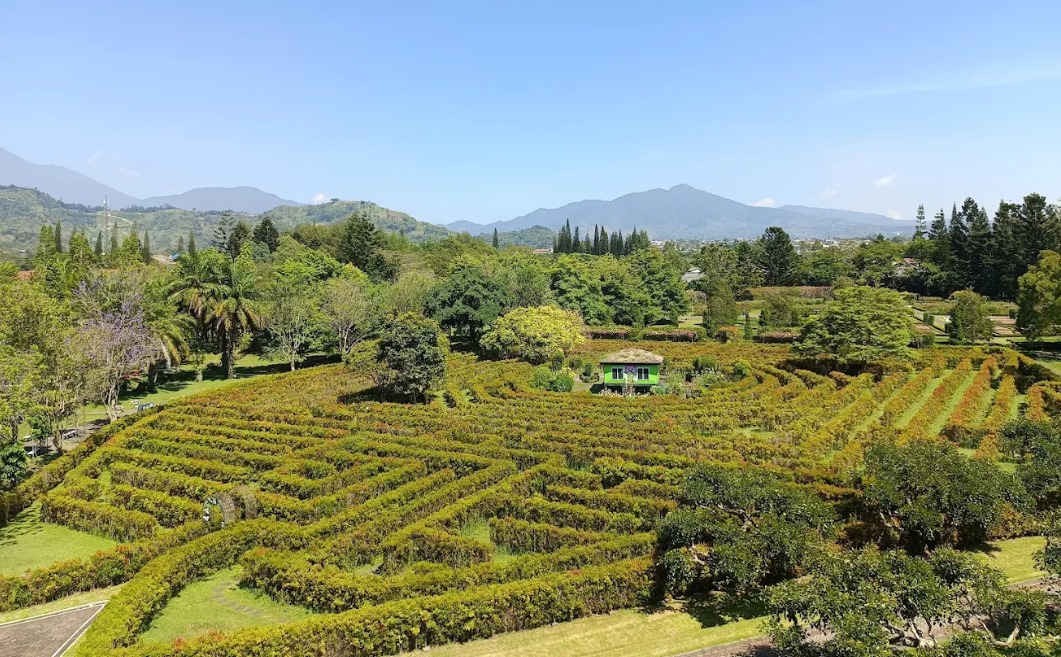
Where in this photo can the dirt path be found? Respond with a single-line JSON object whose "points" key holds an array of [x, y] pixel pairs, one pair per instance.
{"points": [[48, 635]]}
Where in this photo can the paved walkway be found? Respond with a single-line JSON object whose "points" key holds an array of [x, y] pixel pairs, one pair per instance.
{"points": [[49, 635]]}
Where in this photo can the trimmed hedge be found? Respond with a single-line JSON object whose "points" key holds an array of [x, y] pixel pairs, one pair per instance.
{"points": [[402, 625]]}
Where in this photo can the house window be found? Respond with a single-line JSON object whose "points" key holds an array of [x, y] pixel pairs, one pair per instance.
{"points": [[617, 374], [642, 374]]}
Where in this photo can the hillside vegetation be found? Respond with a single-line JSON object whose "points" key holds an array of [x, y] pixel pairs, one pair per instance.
{"points": [[23, 212]]}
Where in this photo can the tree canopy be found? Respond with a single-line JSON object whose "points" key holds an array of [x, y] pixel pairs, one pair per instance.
{"points": [[860, 324]]}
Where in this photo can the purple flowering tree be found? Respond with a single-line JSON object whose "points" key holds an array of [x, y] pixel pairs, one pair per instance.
{"points": [[116, 342]]}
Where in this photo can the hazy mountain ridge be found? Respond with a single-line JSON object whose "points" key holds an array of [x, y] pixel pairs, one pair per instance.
{"points": [[237, 199], [684, 212], [59, 182], [70, 186], [23, 211]]}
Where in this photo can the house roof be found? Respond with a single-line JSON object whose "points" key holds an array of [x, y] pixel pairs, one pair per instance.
{"points": [[632, 357]]}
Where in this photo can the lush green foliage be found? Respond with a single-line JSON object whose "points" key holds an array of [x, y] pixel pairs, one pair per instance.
{"points": [[860, 324], [533, 334]]}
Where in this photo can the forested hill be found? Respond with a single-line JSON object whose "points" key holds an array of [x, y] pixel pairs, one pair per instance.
{"points": [[23, 211]]}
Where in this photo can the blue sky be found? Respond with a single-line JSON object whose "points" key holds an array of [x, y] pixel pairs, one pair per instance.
{"points": [[488, 110]]}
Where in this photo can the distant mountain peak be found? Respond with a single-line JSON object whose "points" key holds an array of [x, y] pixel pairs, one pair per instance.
{"points": [[238, 199], [685, 212]]}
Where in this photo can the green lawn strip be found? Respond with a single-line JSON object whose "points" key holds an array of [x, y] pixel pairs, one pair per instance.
{"points": [[217, 604], [626, 633], [631, 633], [1018, 402], [69, 602], [877, 413], [27, 543], [941, 419], [905, 418], [1015, 557]]}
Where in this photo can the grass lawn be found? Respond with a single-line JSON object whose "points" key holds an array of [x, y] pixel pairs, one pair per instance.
{"points": [[70, 601], [217, 604], [27, 543], [627, 633], [1015, 557]]}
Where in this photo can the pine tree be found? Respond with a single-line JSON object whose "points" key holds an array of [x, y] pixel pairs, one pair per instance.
{"points": [[564, 238], [940, 237], [58, 237], [596, 240], [266, 233], [587, 245], [959, 245], [1006, 257], [921, 225], [617, 243], [99, 245], [180, 244], [112, 252], [605, 245], [145, 249], [497, 242], [191, 244], [576, 242], [979, 248]]}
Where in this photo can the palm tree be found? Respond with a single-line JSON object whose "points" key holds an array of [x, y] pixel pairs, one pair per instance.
{"points": [[196, 289], [235, 309], [168, 326]]}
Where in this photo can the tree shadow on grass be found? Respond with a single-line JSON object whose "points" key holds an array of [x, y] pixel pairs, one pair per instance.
{"points": [[22, 525], [714, 609]]}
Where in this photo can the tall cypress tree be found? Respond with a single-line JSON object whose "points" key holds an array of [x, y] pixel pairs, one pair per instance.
{"points": [[587, 245], [180, 244], [596, 240], [58, 236], [496, 242], [145, 249], [605, 245], [191, 243], [114, 243], [99, 245], [576, 242]]}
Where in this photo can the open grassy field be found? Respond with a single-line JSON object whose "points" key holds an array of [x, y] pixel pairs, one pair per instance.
{"points": [[217, 604], [27, 543]]}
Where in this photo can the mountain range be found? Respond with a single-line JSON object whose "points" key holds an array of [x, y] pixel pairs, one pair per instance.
{"points": [[70, 186], [684, 212], [681, 212]]}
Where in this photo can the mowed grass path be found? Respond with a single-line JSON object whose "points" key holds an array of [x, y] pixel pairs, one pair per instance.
{"points": [[627, 633], [632, 633], [218, 604], [27, 543]]}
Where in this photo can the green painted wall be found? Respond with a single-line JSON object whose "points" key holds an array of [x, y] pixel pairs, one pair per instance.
{"points": [[609, 380]]}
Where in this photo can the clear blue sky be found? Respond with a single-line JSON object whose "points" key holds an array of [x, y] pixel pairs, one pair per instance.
{"points": [[487, 110]]}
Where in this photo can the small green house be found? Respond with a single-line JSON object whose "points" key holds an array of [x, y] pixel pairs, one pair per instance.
{"points": [[636, 366]]}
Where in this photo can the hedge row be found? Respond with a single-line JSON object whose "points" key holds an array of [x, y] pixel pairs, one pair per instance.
{"points": [[409, 624], [523, 536], [104, 568], [51, 475], [112, 522], [290, 577]]}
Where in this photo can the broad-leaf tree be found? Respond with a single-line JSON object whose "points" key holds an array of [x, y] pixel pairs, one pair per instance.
{"points": [[533, 334], [738, 528], [860, 324], [969, 321], [411, 356]]}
